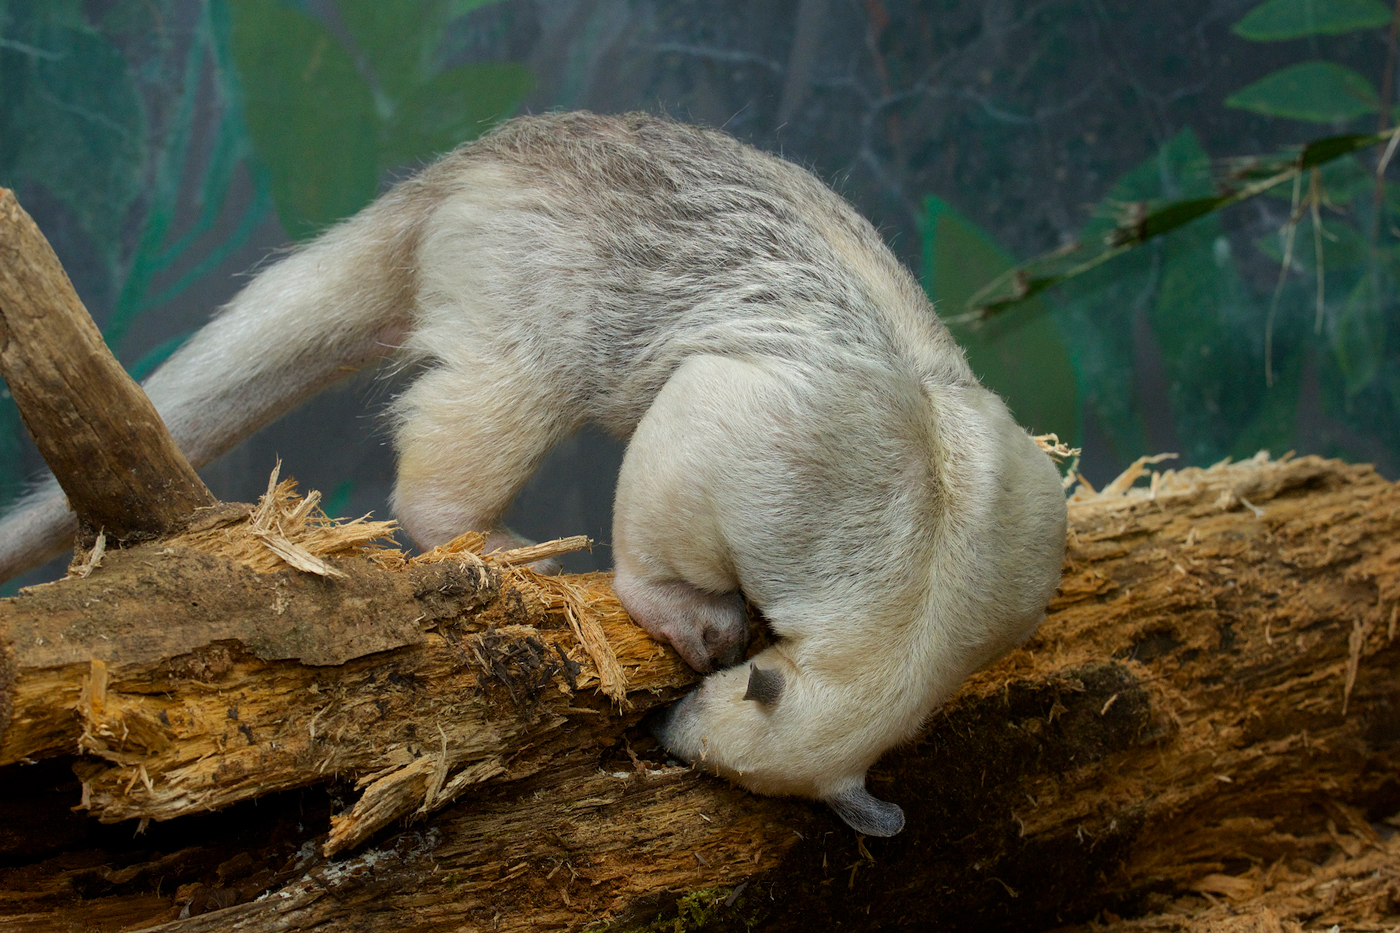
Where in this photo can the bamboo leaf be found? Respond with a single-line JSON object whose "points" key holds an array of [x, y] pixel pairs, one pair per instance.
{"points": [[1104, 241], [1277, 20], [1318, 92], [397, 38], [1342, 181]]}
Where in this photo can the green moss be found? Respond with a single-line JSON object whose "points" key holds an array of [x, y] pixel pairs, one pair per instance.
{"points": [[706, 909]]}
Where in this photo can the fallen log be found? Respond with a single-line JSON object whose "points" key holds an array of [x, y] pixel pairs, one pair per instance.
{"points": [[1215, 684]]}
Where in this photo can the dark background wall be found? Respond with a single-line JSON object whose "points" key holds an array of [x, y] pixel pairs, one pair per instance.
{"points": [[168, 146]]}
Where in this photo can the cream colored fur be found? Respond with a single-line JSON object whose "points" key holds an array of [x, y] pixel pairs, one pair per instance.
{"points": [[804, 434]]}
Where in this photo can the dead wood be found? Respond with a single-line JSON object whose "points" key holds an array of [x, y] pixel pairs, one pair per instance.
{"points": [[98, 432], [1216, 682], [1355, 888]]}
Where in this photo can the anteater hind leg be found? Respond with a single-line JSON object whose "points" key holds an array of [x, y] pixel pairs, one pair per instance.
{"points": [[468, 437]]}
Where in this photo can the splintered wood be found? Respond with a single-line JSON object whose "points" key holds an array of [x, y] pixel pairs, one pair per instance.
{"points": [[1207, 721], [286, 530], [247, 725]]}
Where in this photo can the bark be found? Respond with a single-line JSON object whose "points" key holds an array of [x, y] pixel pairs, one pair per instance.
{"points": [[98, 432], [427, 744]]}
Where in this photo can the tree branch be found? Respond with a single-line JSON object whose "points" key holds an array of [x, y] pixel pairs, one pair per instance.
{"points": [[101, 436]]}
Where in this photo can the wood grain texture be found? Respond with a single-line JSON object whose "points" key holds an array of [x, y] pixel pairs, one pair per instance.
{"points": [[98, 432], [1217, 681]]}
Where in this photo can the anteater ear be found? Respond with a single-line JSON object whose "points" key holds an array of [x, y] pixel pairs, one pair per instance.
{"points": [[765, 687], [866, 814]]}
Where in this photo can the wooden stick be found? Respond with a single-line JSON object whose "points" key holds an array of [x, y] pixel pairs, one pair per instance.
{"points": [[101, 436]]}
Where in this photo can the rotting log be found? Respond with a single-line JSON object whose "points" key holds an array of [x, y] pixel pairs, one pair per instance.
{"points": [[99, 433], [1215, 688], [1357, 888], [185, 701]]}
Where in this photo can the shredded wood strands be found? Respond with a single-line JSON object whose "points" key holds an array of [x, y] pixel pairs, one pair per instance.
{"points": [[583, 607], [1232, 484], [1138, 468], [474, 542], [542, 551], [1234, 487], [418, 788], [582, 602], [469, 544], [1056, 448], [91, 709], [92, 561], [287, 530], [1060, 452], [1356, 643]]}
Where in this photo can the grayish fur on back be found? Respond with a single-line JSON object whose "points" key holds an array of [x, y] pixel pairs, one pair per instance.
{"points": [[647, 242]]}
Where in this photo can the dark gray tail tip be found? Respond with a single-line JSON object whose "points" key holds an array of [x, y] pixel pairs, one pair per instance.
{"points": [[867, 814], [765, 687]]}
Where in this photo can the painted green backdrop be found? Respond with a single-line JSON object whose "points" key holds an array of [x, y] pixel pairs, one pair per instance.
{"points": [[167, 146]]}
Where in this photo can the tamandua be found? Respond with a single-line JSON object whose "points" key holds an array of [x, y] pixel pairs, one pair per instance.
{"points": [[804, 433]]}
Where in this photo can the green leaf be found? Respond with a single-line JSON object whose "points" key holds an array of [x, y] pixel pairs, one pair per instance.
{"points": [[1095, 313], [456, 106], [1293, 19], [309, 112], [1023, 359], [1127, 220], [397, 38], [1204, 323], [1107, 300], [1318, 92], [1343, 247], [1201, 312], [1321, 151], [1179, 170], [23, 17], [1210, 331], [338, 502], [157, 355], [1274, 425], [163, 194], [1389, 379], [1358, 332]]}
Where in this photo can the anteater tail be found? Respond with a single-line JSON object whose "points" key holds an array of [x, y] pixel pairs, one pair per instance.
{"points": [[309, 320]]}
